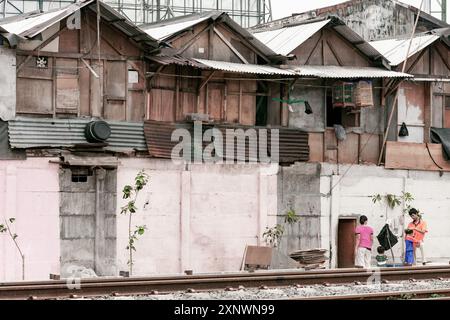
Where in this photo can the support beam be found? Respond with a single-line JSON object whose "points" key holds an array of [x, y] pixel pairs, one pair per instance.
{"points": [[206, 81], [39, 47], [191, 42], [229, 45]]}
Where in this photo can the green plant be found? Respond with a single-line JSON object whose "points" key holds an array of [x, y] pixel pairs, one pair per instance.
{"points": [[6, 228], [291, 217], [272, 236], [393, 200], [131, 193]]}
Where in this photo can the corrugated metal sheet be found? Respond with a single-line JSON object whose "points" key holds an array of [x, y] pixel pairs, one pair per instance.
{"points": [[159, 134], [285, 40], [176, 59], [39, 133], [167, 28], [31, 24], [244, 68], [395, 49], [293, 143], [337, 72]]}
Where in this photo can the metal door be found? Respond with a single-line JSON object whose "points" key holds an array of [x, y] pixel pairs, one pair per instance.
{"points": [[346, 243]]}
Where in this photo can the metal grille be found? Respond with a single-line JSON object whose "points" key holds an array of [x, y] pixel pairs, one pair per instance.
{"points": [[245, 12]]}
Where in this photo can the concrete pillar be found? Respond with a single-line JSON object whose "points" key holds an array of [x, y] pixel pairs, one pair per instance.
{"points": [[9, 250], [185, 220], [262, 206], [334, 218], [100, 225]]}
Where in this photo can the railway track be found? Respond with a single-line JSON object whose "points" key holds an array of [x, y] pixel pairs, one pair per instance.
{"points": [[163, 284], [435, 294]]}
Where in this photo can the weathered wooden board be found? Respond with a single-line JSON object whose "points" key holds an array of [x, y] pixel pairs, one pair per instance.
{"points": [[34, 96], [315, 142], [415, 156]]}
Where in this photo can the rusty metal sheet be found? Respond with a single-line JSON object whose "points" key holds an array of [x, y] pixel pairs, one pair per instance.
{"points": [[293, 143]]}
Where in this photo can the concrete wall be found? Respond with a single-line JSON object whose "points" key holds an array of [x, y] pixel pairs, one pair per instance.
{"points": [[7, 84], [197, 217], [372, 19], [351, 196], [299, 190], [29, 192]]}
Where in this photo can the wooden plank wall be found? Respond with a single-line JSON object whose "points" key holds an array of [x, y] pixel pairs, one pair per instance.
{"points": [[356, 148], [398, 156], [328, 48], [206, 41], [225, 98], [68, 88]]}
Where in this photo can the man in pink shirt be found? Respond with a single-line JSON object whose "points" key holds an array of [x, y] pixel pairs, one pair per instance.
{"points": [[363, 244]]}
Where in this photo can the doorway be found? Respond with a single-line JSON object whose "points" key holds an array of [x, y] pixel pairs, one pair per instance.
{"points": [[88, 219], [346, 243]]}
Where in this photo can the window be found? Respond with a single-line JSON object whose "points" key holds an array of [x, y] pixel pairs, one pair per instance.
{"points": [[81, 174], [341, 105], [133, 76], [344, 116]]}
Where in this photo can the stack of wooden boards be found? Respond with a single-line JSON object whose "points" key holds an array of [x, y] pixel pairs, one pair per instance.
{"points": [[310, 259]]}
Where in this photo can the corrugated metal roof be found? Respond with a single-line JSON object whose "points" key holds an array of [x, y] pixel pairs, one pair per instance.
{"points": [[395, 49], [31, 24], [167, 28], [244, 68], [285, 40], [337, 72], [290, 35], [38, 132]]}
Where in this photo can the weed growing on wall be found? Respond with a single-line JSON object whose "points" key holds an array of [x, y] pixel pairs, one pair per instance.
{"points": [[131, 193]]}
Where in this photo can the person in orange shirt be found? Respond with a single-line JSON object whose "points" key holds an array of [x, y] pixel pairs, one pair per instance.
{"points": [[419, 228]]}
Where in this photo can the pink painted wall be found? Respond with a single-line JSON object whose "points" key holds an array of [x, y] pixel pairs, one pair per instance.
{"points": [[29, 192], [200, 218]]}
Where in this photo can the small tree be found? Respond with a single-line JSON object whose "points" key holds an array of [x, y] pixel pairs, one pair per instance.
{"points": [[132, 193], [393, 200], [7, 228]]}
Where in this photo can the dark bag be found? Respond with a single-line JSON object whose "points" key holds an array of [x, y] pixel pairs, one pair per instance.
{"points": [[403, 131], [386, 238]]}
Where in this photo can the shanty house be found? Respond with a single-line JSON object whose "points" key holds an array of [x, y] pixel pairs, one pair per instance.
{"points": [[342, 178], [72, 136], [422, 104]]}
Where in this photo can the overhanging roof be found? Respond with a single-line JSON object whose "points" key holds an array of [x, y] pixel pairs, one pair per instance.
{"points": [[338, 72], [395, 49], [244, 68], [167, 29], [29, 25], [283, 40]]}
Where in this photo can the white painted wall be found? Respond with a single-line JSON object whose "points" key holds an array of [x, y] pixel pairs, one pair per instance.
{"points": [[29, 192], [199, 217], [352, 194], [7, 83]]}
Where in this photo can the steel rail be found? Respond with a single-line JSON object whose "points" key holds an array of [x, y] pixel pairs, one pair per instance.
{"points": [[430, 294], [145, 285]]}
